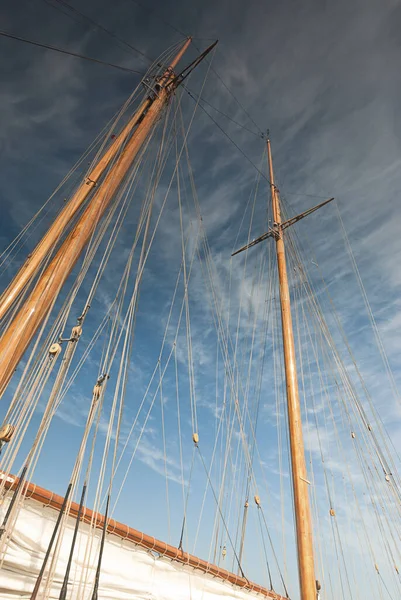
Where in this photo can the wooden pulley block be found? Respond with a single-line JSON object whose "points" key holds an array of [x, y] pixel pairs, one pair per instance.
{"points": [[76, 332], [6, 432], [97, 391], [55, 349]]}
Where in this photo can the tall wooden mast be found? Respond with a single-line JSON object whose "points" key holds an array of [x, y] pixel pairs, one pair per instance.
{"points": [[23, 327], [32, 264], [303, 521]]}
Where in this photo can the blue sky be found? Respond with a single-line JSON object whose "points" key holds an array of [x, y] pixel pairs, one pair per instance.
{"points": [[325, 79]]}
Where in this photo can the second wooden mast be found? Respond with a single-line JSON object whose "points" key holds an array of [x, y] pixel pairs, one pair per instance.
{"points": [[24, 325], [303, 520]]}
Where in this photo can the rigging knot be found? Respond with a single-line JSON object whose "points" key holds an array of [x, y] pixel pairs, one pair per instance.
{"points": [[257, 501], [85, 312], [195, 438], [102, 378]]}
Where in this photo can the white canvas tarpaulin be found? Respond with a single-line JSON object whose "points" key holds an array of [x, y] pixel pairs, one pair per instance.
{"points": [[128, 571]]}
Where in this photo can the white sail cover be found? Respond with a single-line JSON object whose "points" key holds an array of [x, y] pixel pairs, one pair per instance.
{"points": [[128, 571]]}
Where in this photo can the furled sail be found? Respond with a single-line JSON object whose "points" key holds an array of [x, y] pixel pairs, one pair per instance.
{"points": [[134, 565]]}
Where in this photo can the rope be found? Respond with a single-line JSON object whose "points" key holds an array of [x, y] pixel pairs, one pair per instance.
{"points": [[68, 52], [221, 514], [102, 28], [162, 19], [223, 113], [235, 98]]}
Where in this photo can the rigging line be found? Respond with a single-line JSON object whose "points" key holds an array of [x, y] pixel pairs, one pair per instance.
{"points": [[246, 397], [64, 12], [197, 100], [102, 541], [221, 514], [224, 114], [150, 383], [152, 10], [63, 592], [265, 551], [299, 193], [301, 335], [273, 550], [143, 259], [334, 524], [184, 518], [226, 455], [129, 337], [96, 406], [32, 363], [51, 542], [62, 51], [42, 379], [235, 98], [98, 332], [102, 28], [172, 177], [34, 382], [164, 201], [385, 586], [111, 123], [361, 410], [367, 304], [179, 429], [215, 304], [348, 418], [219, 326], [191, 376]]}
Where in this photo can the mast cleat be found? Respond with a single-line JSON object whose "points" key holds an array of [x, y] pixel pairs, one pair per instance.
{"points": [[90, 181]]}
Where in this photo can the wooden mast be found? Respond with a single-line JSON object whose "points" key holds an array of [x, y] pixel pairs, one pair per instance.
{"points": [[21, 330], [303, 521], [32, 264]]}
